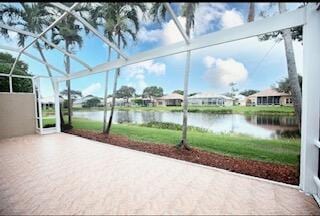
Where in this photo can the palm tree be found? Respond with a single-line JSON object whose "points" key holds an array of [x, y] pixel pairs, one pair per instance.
{"points": [[291, 64], [69, 32], [31, 17], [158, 12], [120, 20], [100, 16], [292, 69]]}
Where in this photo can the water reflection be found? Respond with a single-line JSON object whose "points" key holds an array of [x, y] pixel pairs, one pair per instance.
{"points": [[261, 126]]}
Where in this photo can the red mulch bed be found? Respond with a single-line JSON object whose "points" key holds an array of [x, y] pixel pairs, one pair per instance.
{"points": [[281, 173]]}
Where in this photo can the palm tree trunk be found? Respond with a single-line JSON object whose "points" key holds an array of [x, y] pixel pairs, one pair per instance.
{"points": [[183, 142], [292, 70], [251, 12], [68, 83], [114, 92], [106, 95]]}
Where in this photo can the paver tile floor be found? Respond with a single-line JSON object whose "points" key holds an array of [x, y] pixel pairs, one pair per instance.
{"points": [[66, 174]]}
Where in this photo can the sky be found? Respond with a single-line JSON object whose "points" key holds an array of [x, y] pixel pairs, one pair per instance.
{"points": [[250, 63]]}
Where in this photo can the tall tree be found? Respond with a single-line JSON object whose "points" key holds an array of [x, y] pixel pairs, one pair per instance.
{"points": [[100, 16], [178, 91], [158, 12], [284, 85], [125, 92], [92, 102], [68, 31], [248, 92], [292, 69], [288, 35], [152, 91], [122, 22]]}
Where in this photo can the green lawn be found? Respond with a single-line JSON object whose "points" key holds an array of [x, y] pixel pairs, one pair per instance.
{"points": [[283, 151], [274, 110]]}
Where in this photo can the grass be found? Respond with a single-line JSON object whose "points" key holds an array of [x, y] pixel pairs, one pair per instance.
{"points": [[282, 151], [274, 110]]}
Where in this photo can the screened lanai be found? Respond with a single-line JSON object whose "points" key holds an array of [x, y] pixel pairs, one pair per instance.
{"points": [[308, 17]]}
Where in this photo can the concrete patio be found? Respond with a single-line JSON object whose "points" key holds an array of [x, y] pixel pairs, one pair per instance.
{"points": [[65, 174]]}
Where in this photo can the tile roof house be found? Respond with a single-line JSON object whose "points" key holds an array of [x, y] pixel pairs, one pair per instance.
{"points": [[172, 99], [209, 98], [270, 97]]}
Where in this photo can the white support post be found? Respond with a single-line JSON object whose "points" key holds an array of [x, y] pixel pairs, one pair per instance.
{"points": [[10, 84], [57, 105], [40, 107], [310, 100], [35, 101]]}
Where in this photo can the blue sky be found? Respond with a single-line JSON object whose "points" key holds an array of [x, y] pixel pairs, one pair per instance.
{"points": [[250, 63]]}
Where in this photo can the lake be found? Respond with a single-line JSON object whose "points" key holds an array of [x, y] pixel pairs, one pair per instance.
{"points": [[260, 126]]}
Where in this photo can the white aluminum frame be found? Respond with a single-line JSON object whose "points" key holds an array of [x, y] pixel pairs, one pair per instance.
{"points": [[308, 17], [74, 57], [41, 34], [33, 57], [271, 24], [37, 82]]}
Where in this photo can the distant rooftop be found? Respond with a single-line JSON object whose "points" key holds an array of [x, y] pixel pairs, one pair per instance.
{"points": [[208, 95], [269, 92], [172, 96]]}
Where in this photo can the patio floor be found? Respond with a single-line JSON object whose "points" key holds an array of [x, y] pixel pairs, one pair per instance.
{"points": [[66, 174]]}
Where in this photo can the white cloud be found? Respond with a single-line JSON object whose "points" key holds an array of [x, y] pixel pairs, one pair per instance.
{"points": [[91, 89], [209, 61], [171, 34], [149, 35], [168, 34], [231, 18], [205, 14], [136, 73], [222, 72]]}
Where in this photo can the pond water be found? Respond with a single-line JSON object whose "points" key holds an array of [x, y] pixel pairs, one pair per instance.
{"points": [[260, 126]]}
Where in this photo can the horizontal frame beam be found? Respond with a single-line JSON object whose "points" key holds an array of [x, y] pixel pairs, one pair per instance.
{"points": [[267, 25], [18, 76]]}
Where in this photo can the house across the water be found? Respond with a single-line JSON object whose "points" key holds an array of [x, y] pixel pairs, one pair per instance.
{"points": [[173, 99], [270, 97], [210, 99]]}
